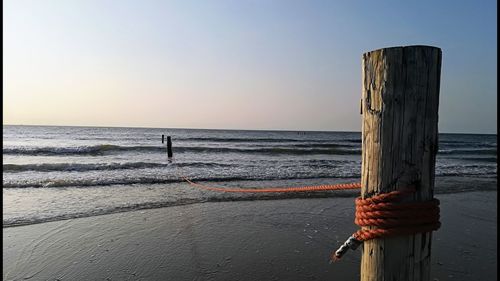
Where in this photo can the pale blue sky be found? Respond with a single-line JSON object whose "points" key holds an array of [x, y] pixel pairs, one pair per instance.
{"points": [[235, 64]]}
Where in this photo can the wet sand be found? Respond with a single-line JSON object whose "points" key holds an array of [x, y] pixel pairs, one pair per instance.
{"points": [[287, 239]]}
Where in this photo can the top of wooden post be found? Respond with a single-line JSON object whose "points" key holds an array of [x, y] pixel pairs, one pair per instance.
{"points": [[402, 47]]}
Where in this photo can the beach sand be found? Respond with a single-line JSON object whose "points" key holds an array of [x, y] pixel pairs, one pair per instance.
{"points": [[289, 239]]}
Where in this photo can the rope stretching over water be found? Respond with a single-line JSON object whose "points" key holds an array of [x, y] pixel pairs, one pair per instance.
{"points": [[342, 186]]}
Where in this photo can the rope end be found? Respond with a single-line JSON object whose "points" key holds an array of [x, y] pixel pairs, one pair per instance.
{"points": [[351, 243], [334, 258]]}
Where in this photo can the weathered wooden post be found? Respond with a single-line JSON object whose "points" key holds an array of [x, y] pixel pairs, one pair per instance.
{"points": [[399, 141], [169, 147], [162, 138]]}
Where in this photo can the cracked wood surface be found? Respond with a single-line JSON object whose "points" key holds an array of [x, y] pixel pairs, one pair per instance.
{"points": [[400, 97]]}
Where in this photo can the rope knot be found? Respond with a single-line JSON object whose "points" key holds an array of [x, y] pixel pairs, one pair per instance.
{"points": [[388, 216]]}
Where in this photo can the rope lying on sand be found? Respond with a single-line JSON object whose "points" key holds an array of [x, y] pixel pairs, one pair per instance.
{"points": [[380, 216]]}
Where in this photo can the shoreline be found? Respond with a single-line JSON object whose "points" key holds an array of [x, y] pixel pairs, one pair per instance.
{"points": [[287, 239], [445, 185]]}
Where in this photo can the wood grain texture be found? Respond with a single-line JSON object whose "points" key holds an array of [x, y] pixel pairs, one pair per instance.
{"points": [[399, 141]]}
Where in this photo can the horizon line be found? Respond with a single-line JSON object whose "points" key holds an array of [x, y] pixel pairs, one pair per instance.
{"points": [[220, 129]]}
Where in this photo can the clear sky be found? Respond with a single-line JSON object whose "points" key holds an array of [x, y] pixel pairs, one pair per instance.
{"points": [[290, 65]]}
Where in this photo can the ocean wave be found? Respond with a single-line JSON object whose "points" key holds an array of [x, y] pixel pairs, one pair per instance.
{"points": [[466, 169], [477, 159], [50, 183], [272, 150], [98, 150], [485, 171], [80, 150], [61, 183], [477, 151], [294, 149], [49, 167], [325, 145], [469, 146], [244, 140]]}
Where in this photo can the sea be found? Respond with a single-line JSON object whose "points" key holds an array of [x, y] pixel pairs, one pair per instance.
{"points": [[60, 172]]}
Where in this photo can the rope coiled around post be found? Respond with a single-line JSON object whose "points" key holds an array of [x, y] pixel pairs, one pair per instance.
{"points": [[391, 217]]}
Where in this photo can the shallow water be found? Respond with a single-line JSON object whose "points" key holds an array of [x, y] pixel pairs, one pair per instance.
{"points": [[52, 173]]}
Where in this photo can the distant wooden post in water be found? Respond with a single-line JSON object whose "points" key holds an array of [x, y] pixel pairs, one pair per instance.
{"points": [[169, 147], [162, 138], [400, 140]]}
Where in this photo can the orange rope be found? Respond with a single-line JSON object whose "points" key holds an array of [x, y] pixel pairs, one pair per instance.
{"points": [[391, 217], [326, 187]]}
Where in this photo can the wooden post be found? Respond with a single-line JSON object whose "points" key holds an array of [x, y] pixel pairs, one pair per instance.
{"points": [[162, 138], [169, 147], [399, 141]]}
